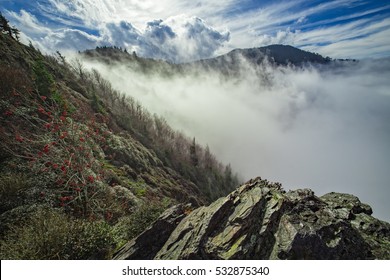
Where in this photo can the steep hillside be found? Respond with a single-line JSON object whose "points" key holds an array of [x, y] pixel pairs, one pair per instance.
{"points": [[83, 167]]}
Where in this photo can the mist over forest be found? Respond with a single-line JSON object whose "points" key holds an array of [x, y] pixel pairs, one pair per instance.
{"points": [[307, 127], [194, 130]]}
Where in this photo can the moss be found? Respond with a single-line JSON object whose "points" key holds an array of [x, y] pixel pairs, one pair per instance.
{"points": [[108, 166], [234, 248]]}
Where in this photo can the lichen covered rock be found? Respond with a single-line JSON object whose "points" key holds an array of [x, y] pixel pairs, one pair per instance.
{"points": [[261, 221]]}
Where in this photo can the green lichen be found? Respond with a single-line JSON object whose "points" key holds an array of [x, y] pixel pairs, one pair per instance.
{"points": [[234, 248]]}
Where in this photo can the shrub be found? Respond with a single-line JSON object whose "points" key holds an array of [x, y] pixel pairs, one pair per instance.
{"points": [[44, 81], [11, 187], [13, 79], [130, 226], [50, 234], [62, 152]]}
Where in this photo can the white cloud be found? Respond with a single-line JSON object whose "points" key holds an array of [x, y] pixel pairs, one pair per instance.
{"points": [[359, 39], [374, 45], [179, 38], [272, 25], [281, 37], [69, 39], [346, 17], [48, 39], [302, 19], [187, 38], [224, 26], [120, 33], [137, 12], [29, 23], [325, 130]]}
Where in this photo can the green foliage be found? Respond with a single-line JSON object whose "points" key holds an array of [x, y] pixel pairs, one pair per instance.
{"points": [[97, 104], [11, 187], [44, 81], [49, 234], [58, 98], [138, 188], [132, 225], [11, 184]]}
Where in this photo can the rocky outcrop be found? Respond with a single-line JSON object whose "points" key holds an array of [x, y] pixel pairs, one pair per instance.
{"points": [[141, 248], [261, 221]]}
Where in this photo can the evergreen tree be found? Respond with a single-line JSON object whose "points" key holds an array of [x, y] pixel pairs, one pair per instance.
{"points": [[228, 175], [208, 158], [16, 33], [4, 25], [193, 155], [7, 29]]}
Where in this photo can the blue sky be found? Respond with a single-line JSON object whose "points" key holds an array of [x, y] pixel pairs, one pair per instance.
{"points": [[180, 30]]}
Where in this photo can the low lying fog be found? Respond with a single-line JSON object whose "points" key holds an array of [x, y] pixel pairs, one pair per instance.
{"points": [[325, 130]]}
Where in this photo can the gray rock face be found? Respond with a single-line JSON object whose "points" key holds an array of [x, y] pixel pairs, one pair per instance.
{"points": [[261, 221]]}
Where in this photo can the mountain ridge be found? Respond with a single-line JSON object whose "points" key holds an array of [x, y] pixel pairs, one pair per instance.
{"points": [[231, 65], [277, 53]]}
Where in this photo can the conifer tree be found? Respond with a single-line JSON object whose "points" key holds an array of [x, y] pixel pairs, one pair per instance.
{"points": [[7, 29], [4, 25], [193, 155], [16, 33]]}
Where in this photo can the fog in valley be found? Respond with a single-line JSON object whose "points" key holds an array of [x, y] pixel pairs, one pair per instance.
{"points": [[327, 129]]}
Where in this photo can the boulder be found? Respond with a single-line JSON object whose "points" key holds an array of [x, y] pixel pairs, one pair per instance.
{"points": [[260, 220]]}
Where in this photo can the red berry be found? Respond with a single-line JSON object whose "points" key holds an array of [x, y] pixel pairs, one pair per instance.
{"points": [[91, 179]]}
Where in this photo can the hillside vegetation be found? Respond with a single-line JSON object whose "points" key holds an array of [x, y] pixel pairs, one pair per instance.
{"points": [[83, 167]]}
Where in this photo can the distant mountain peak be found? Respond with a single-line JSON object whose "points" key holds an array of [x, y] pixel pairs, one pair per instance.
{"points": [[281, 55]]}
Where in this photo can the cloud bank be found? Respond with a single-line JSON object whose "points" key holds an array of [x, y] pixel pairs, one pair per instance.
{"points": [[177, 39], [327, 130]]}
